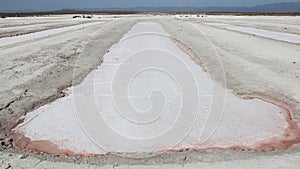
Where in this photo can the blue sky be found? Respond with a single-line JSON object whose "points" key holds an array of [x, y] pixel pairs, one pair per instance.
{"points": [[60, 4]]}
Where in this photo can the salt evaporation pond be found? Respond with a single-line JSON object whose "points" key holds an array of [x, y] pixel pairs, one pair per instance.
{"points": [[149, 97], [286, 37], [36, 35]]}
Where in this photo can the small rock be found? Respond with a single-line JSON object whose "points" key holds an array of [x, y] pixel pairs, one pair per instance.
{"points": [[2, 137], [115, 165], [23, 156], [8, 166], [8, 141]]}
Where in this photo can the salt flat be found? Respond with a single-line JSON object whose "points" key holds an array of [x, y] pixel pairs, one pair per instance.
{"points": [[36, 72], [14, 26], [31, 36], [260, 32], [150, 96]]}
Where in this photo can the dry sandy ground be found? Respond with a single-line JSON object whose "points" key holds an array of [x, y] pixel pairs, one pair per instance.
{"points": [[13, 26], [252, 65], [288, 24], [36, 72]]}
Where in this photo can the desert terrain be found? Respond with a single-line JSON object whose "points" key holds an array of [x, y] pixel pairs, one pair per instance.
{"points": [[246, 70]]}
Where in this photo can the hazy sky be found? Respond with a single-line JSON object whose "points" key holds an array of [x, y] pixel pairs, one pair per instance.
{"points": [[60, 4]]}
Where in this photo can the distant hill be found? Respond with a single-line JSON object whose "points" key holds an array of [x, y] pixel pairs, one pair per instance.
{"points": [[284, 7], [277, 7], [274, 7]]}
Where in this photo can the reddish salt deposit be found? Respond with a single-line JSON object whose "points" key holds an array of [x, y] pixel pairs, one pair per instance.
{"points": [[148, 97]]}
